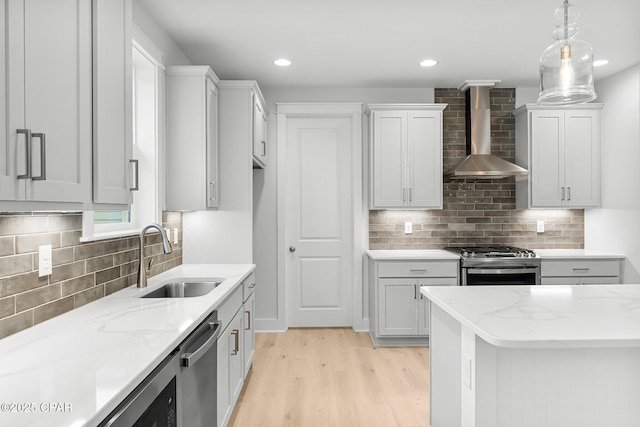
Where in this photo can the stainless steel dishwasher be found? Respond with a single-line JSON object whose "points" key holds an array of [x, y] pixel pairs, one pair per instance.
{"points": [[197, 385]]}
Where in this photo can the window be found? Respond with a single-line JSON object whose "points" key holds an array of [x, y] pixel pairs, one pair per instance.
{"points": [[147, 97]]}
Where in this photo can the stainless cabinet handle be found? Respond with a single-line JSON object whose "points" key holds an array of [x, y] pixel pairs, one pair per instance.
{"points": [[580, 268], [415, 294], [43, 157], [236, 346], [410, 194], [264, 148], [568, 193], [248, 328], [404, 194], [27, 152], [561, 193], [251, 286], [212, 190], [417, 270], [136, 176]]}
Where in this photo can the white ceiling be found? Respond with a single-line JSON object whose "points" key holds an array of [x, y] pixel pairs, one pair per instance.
{"points": [[378, 43]]}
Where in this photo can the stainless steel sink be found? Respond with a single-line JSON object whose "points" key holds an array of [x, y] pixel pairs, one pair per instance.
{"points": [[183, 289]]}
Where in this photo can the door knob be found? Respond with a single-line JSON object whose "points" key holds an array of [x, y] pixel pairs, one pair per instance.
{"points": [[292, 248]]}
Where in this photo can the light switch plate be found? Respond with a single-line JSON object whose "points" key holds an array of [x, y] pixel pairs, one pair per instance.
{"points": [[45, 261], [466, 371], [540, 226], [167, 231], [175, 236], [408, 227]]}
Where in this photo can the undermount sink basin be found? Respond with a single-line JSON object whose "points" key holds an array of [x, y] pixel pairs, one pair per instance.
{"points": [[183, 289]]}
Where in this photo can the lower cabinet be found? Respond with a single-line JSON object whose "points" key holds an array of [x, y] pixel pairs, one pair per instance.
{"points": [[399, 314], [235, 347], [581, 271]]}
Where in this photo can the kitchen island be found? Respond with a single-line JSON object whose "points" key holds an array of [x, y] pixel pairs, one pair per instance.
{"points": [[535, 355]]}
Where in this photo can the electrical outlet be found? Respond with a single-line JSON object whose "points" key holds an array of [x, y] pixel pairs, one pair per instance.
{"points": [[540, 226], [44, 260], [466, 371], [408, 228]]}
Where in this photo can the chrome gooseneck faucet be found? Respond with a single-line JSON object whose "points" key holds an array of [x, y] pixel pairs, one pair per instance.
{"points": [[166, 247]]}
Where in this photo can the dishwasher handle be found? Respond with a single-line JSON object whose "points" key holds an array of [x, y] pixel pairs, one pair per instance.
{"points": [[188, 359]]}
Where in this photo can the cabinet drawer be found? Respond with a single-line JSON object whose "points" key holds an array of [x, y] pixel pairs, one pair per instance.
{"points": [[230, 307], [592, 280], [248, 286], [418, 269], [580, 268]]}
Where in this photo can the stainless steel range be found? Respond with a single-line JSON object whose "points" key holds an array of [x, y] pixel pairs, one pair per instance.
{"points": [[497, 265]]}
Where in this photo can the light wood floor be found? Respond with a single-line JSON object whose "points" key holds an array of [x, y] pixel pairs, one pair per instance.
{"points": [[333, 377]]}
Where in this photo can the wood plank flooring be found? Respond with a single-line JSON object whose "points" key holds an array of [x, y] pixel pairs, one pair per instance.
{"points": [[333, 377]]}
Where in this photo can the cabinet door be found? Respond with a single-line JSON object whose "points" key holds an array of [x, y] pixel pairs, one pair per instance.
{"points": [[236, 360], [249, 331], [12, 145], [389, 153], [546, 169], [423, 303], [582, 158], [58, 98], [424, 162], [213, 200], [259, 134], [397, 311], [112, 102], [225, 345]]}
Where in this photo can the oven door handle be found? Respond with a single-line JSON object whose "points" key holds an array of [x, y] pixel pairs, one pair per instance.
{"points": [[509, 270]]}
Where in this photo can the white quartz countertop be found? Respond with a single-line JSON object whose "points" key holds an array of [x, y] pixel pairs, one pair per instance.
{"points": [[575, 254], [88, 360], [402, 254], [545, 316]]}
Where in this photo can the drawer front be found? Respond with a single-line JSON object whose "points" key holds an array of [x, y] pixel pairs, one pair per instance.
{"points": [[248, 286], [230, 307], [592, 280], [580, 268], [418, 269]]}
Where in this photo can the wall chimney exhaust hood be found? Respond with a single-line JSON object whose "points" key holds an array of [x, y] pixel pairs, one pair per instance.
{"points": [[480, 163]]}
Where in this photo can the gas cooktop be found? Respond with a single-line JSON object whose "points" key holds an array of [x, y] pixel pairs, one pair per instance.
{"points": [[492, 252]]}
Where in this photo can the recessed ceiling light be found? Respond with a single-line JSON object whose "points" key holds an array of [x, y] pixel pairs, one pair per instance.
{"points": [[428, 63], [600, 62], [282, 62]]}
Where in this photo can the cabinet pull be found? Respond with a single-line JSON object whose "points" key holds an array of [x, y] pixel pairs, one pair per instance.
{"points": [[404, 194], [236, 346], [568, 193], [264, 148], [417, 270], [136, 176], [212, 190], [27, 152], [561, 193], [410, 194], [580, 268], [248, 313], [415, 295], [43, 157]]}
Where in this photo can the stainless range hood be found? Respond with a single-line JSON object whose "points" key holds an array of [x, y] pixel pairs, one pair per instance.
{"points": [[480, 163]]}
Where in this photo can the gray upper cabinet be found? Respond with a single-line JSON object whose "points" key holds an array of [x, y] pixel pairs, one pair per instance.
{"points": [[192, 138], [561, 150], [259, 132], [47, 113], [112, 102], [406, 156]]}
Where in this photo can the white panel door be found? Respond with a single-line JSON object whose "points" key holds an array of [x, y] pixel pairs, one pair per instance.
{"points": [[58, 103], [319, 215], [582, 158], [424, 166], [389, 154], [547, 158]]}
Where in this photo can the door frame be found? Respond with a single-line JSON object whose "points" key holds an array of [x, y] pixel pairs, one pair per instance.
{"points": [[359, 114]]}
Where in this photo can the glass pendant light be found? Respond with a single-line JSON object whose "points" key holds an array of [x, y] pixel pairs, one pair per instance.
{"points": [[566, 67]]}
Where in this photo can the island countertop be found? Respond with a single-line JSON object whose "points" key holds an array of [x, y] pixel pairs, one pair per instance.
{"points": [[545, 316], [86, 361]]}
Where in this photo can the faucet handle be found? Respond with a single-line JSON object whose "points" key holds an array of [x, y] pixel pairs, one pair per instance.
{"points": [[148, 269]]}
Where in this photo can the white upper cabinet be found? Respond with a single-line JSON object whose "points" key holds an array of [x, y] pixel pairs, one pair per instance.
{"points": [[112, 102], [406, 156], [192, 138], [259, 132], [561, 150], [47, 88]]}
